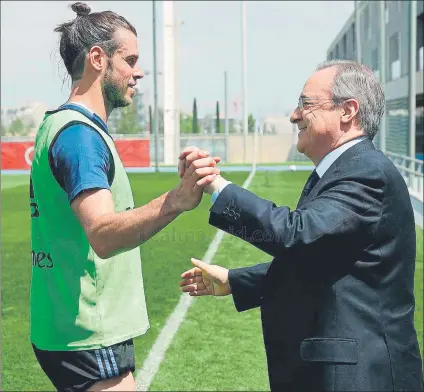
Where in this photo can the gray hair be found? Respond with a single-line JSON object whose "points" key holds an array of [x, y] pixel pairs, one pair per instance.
{"points": [[355, 81]]}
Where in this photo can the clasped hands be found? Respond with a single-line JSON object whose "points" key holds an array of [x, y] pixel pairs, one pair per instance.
{"points": [[199, 174]]}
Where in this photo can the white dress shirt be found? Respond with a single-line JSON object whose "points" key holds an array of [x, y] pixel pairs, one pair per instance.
{"points": [[331, 157]]}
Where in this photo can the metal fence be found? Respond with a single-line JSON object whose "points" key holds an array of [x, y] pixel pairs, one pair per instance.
{"points": [[412, 171]]}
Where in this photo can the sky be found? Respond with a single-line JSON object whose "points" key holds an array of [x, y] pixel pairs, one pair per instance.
{"points": [[285, 41]]}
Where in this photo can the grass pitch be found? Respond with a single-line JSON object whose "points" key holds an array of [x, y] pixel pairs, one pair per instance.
{"points": [[216, 348]]}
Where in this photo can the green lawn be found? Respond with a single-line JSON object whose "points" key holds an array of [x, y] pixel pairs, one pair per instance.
{"points": [[164, 257], [216, 348], [11, 181]]}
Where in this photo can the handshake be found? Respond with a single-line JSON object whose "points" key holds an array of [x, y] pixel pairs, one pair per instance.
{"points": [[199, 174]]}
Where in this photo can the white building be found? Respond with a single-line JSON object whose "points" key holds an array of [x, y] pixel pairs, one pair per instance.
{"points": [[31, 114], [277, 124]]}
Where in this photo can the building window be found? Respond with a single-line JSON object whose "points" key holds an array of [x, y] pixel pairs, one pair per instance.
{"points": [[394, 59], [337, 52], [330, 56], [399, 5], [397, 126], [344, 46], [353, 38]]}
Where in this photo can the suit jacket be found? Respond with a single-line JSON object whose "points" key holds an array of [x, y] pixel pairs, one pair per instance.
{"points": [[337, 300]]}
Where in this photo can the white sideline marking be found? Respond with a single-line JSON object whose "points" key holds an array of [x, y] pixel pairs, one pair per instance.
{"points": [[157, 353]]}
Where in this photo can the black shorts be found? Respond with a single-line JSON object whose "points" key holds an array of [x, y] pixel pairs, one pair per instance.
{"points": [[73, 371]]}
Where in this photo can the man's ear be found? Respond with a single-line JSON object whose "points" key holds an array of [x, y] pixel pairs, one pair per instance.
{"points": [[97, 58], [349, 110]]}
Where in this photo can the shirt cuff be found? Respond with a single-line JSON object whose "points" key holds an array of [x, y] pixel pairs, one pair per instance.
{"points": [[218, 191]]}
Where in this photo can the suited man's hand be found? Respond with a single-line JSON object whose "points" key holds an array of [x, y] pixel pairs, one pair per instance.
{"points": [[188, 194], [189, 155], [205, 279]]}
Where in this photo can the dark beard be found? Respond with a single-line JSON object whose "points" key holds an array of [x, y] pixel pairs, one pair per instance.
{"points": [[113, 92]]}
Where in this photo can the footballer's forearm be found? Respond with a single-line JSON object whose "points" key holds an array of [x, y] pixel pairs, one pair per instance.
{"points": [[117, 232], [110, 232]]}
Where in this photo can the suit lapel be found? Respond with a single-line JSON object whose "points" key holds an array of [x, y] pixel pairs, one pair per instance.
{"points": [[358, 148]]}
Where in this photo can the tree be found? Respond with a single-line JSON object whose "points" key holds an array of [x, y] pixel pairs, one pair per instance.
{"points": [[186, 123], [218, 120], [3, 129], [140, 110], [151, 127], [161, 121], [195, 126], [132, 119], [251, 122], [18, 128], [30, 126], [127, 123]]}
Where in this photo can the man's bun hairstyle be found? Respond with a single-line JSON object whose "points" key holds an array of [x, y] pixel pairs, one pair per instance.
{"points": [[88, 29], [81, 9]]}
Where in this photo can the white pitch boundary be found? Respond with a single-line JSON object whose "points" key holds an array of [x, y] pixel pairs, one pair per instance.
{"points": [[157, 353]]}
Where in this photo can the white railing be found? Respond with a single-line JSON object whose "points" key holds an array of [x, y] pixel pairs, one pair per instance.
{"points": [[412, 171]]}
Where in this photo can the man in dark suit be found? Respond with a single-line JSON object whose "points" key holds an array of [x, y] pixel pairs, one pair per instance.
{"points": [[337, 300]]}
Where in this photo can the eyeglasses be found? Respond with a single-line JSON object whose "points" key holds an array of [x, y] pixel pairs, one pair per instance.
{"points": [[304, 101]]}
